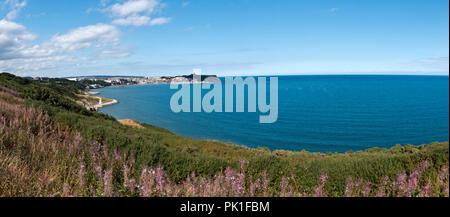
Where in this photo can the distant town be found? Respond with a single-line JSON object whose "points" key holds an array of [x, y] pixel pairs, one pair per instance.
{"points": [[95, 82]]}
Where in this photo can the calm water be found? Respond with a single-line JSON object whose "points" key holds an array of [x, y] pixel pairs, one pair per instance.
{"points": [[316, 113]]}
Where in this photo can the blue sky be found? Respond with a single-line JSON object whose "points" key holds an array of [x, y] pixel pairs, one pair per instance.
{"points": [[225, 37]]}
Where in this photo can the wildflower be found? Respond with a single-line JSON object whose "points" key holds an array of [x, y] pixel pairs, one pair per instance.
{"points": [[81, 175], [146, 183], [159, 178], [359, 183], [117, 156], [319, 192], [443, 176], [426, 190], [399, 184], [412, 184], [107, 179], [423, 167], [265, 179], [105, 152], [98, 169], [381, 191], [413, 180], [132, 185], [239, 185], [367, 189], [349, 187], [254, 186]]}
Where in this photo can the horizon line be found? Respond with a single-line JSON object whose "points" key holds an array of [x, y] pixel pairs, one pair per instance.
{"points": [[245, 75]]}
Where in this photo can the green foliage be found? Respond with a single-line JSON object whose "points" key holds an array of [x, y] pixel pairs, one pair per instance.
{"points": [[51, 95]]}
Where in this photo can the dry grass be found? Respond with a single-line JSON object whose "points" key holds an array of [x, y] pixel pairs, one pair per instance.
{"points": [[131, 123]]}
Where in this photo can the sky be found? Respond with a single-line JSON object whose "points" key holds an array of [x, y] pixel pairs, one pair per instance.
{"points": [[63, 38]]}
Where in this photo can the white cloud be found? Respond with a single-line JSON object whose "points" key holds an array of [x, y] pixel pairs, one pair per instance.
{"points": [[87, 36], [27, 65], [185, 4], [18, 56], [159, 21], [13, 39], [132, 21], [137, 13], [116, 52], [134, 7], [15, 6]]}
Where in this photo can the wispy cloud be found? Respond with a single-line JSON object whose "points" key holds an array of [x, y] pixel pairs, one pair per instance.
{"points": [[115, 53], [85, 37], [249, 49], [137, 13], [334, 10], [159, 21], [15, 7], [429, 65]]}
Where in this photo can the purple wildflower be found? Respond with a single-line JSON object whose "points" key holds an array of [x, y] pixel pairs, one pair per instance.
{"points": [[108, 186], [319, 192], [265, 179], [443, 176], [399, 184], [426, 190], [367, 189], [381, 191], [349, 187], [81, 176], [159, 178]]}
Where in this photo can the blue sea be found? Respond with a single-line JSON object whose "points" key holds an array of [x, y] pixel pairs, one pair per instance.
{"points": [[330, 113]]}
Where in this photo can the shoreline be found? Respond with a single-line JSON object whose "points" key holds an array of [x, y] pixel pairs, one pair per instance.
{"points": [[100, 99], [94, 103], [101, 105]]}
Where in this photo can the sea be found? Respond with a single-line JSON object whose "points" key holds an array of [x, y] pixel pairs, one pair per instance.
{"points": [[320, 113]]}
